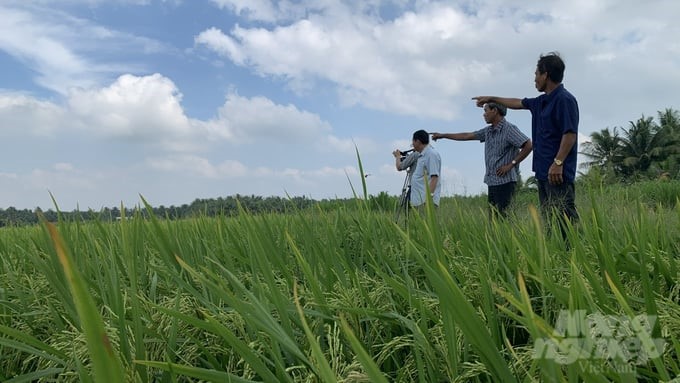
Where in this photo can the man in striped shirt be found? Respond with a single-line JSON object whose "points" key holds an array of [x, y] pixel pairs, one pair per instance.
{"points": [[505, 147]]}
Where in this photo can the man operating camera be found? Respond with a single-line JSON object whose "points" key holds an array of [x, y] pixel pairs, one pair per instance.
{"points": [[426, 168]]}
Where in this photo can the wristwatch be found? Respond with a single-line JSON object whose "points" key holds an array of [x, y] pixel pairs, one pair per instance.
{"points": [[558, 162]]}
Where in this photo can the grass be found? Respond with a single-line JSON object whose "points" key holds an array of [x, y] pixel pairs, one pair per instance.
{"points": [[342, 295]]}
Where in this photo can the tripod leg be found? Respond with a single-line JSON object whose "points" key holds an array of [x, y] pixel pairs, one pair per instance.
{"points": [[403, 203], [397, 211]]}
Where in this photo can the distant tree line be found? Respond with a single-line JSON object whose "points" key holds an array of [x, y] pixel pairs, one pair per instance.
{"points": [[648, 149], [227, 206], [205, 207]]}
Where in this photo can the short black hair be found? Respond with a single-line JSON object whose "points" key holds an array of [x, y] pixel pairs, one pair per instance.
{"points": [[500, 108], [422, 136], [552, 64]]}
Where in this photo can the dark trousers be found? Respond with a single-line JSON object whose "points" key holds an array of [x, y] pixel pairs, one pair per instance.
{"points": [[500, 197], [558, 201]]}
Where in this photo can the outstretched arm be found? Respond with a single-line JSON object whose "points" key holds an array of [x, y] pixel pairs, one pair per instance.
{"points": [[512, 103], [467, 136]]}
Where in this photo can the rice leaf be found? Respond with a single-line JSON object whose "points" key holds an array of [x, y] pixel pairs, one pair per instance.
{"points": [[35, 375], [105, 363], [195, 372], [372, 369]]}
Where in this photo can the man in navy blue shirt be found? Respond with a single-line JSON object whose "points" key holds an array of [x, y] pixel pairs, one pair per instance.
{"points": [[554, 129]]}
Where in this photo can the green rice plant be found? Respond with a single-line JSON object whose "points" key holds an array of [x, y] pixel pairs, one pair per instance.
{"points": [[645, 337], [342, 293], [457, 312], [105, 362], [367, 361], [203, 374], [322, 366], [662, 193]]}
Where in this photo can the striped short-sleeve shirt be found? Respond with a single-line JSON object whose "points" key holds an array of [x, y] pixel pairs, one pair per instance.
{"points": [[501, 144]]}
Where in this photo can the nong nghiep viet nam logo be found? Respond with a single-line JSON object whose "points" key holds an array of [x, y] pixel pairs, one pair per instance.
{"points": [[579, 336]]}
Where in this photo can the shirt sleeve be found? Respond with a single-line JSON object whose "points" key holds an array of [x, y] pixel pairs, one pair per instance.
{"points": [[567, 115], [515, 136], [434, 165], [530, 103], [409, 161], [480, 135]]}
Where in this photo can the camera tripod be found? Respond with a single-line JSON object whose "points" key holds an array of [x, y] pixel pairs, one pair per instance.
{"points": [[404, 202]]}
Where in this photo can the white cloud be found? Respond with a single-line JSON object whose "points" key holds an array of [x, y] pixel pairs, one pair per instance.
{"points": [[268, 11], [413, 65], [36, 43], [63, 167], [55, 179], [221, 43], [11, 176], [246, 120], [72, 187], [267, 146], [257, 9], [142, 110], [21, 113], [91, 2], [328, 171], [202, 167], [62, 49], [145, 109], [428, 60], [198, 166], [346, 146]]}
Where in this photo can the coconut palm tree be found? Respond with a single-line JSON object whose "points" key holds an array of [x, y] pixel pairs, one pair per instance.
{"points": [[643, 144], [603, 151], [669, 121], [645, 149]]}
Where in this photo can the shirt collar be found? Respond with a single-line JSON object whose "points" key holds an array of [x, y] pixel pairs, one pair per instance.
{"points": [[555, 91], [501, 124]]}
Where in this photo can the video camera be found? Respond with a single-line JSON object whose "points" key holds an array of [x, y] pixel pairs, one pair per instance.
{"points": [[404, 153]]}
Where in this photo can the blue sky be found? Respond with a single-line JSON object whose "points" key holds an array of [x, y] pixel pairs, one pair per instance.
{"points": [[103, 101]]}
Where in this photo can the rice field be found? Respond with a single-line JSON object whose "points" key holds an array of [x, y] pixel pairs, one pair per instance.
{"points": [[348, 295]]}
